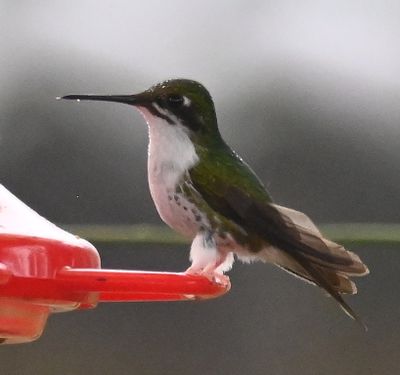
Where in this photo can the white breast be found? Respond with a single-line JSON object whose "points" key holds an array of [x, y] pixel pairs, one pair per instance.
{"points": [[171, 153]]}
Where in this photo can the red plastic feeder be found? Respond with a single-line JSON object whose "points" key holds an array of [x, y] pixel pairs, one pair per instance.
{"points": [[44, 269]]}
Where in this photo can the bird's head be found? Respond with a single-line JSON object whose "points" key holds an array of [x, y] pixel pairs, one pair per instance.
{"points": [[176, 103]]}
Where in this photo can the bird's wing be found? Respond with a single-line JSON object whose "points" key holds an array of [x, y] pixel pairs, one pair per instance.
{"points": [[236, 193]]}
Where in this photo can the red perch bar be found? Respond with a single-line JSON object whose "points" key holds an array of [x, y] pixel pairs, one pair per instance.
{"points": [[44, 269]]}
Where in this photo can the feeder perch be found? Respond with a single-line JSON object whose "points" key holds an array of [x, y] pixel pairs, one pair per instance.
{"points": [[44, 270]]}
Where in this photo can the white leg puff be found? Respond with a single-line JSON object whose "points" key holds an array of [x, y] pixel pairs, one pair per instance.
{"points": [[207, 260], [203, 252]]}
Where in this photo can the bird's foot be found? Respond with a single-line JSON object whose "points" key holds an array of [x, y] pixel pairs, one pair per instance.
{"points": [[212, 275], [219, 278]]}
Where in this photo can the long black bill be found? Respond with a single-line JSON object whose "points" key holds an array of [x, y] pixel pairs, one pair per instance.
{"points": [[127, 99]]}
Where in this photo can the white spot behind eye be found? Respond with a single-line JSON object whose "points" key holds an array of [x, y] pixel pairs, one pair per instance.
{"points": [[186, 101]]}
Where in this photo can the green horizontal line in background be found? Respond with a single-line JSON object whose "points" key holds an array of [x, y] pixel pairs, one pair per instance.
{"points": [[349, 233]]}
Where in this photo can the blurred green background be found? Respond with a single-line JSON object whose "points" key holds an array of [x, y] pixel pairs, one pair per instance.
{"points": [[307, 92]]}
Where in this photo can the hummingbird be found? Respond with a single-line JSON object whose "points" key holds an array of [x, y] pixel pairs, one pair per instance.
{"points": [[204, 190]]}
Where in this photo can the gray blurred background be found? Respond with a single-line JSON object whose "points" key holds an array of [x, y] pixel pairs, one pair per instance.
{"points": [[307, 92]]}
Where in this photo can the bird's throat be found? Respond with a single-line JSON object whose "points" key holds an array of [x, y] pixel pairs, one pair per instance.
{"points": [[171, 152]]}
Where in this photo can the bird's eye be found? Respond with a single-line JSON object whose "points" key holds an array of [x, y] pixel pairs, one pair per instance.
{"points": [[174, 100]]}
